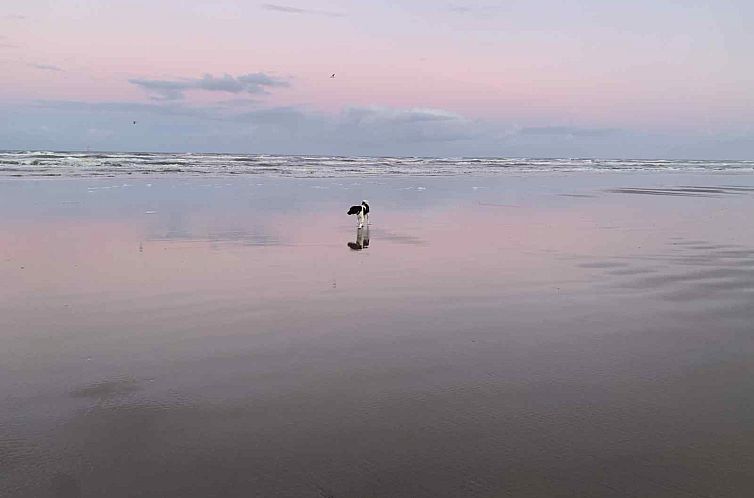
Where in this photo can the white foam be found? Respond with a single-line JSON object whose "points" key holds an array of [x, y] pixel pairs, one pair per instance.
{"points": [[80, 164]]}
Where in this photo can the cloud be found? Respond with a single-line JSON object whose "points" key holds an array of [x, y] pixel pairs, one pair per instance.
{"points": [[568, 131], [370, 125], [460, 9], [174, 89], [361, 128], [272, 116], [474, 9], [5, 44], [162, 89], [295, 10], [134, 109], [400, 116], [376, 130], [16, 17], [358, 130], [236, 103], [47, 67]]}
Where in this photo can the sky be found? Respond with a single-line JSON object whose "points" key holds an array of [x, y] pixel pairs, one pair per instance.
{"points": [[512, 78]]}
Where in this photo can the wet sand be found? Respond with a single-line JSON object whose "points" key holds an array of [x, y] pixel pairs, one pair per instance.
{"points": [[544, 335]]}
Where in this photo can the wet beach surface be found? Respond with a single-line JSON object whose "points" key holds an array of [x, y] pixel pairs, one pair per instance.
{"points": [[527, 335]]}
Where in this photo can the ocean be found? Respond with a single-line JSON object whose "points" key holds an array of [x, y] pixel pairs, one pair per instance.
{"points": [[91, 164]]}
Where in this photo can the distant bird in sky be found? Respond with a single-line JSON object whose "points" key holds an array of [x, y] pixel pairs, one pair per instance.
{"points": [[333, 75], [134, 122]]}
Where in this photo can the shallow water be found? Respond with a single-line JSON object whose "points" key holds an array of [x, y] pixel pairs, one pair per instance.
{"points": [[526, 335]]}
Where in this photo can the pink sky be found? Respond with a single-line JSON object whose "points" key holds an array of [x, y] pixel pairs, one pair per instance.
{"points": [[658, 67]]}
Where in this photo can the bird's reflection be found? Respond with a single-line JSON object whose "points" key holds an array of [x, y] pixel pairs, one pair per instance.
{"points": [[362, 239]]}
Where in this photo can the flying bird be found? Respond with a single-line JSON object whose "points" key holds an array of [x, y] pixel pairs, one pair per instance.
{"points": [[332, 75], [134, 122]]}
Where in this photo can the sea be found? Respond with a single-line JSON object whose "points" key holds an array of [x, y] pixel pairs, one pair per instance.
{"points": [[111, 164]]}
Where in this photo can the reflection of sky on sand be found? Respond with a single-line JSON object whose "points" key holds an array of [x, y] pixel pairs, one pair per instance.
{"points": [[507, 326], [250, 245], [241, 245]]}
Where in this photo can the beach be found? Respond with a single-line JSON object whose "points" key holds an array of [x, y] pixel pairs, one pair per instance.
{"points": [[530, 334]]}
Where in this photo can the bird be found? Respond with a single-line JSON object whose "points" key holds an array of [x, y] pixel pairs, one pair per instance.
{"points": [[361, 212], [332, 75], [134, 122]]}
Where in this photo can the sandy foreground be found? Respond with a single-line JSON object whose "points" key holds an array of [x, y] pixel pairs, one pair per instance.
{"points": [[529, 336]]}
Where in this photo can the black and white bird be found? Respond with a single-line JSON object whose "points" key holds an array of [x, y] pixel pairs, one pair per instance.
{"points": [[361, 212], [332, 75]]}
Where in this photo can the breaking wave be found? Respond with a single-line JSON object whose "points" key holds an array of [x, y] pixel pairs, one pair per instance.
{"points": [[86, 164]]}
